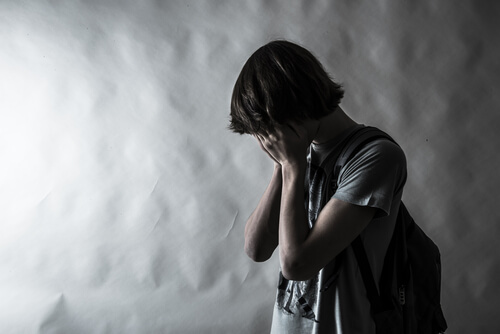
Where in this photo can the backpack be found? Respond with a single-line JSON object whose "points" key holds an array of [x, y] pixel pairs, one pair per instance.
{"points": [[410, 284]]}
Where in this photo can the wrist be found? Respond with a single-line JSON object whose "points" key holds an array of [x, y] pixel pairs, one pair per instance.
{"points": [[292, 170], [277, 172], [294, 165]]}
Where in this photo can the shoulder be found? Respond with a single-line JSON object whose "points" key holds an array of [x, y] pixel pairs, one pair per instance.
{"points": [[374, 175], [380, 152], [385, 148]]}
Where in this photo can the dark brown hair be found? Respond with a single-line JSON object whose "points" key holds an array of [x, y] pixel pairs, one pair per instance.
{"points": [[281, 81]]}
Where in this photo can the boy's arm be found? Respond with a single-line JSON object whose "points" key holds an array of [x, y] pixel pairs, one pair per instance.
{"points": [[261, 229], [304, 251]]}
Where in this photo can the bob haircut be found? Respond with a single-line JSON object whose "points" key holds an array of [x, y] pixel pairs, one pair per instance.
{"points": [[280, 82]]}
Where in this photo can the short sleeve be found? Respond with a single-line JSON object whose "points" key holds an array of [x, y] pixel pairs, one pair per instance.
{"points": [[373, 176]]}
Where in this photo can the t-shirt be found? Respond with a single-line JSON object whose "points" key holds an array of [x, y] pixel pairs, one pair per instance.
{"points": [[335, 300]]}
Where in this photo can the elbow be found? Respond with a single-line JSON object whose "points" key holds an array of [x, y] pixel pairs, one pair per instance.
{"points": [[257, 254], [294, 269], [293, 273]]}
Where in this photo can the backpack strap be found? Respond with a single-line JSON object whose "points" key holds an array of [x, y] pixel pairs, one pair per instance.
{"points": [[358, 139], [395, 257], [350, 146], [366, 273]]}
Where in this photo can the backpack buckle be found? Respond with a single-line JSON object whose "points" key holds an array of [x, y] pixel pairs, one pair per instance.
{"points": [[402, 295]]}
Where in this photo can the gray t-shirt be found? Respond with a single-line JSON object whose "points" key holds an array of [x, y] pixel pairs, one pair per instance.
{"points": [[335, 300]]}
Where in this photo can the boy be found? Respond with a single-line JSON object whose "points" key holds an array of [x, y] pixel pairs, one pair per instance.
{"points": [[284, 98]]}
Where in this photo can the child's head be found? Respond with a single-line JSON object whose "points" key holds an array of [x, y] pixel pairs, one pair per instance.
{"points": [[280, 82]]}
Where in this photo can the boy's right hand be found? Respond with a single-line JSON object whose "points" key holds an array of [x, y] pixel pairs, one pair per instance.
{"points": [[276, 163]]}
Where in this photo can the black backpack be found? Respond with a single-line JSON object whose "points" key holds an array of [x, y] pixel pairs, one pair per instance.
{"points": [[410, 284]]}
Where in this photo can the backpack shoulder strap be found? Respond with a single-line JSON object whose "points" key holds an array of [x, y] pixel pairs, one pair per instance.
{"points": [[355, 142], [351, 145], [360, 138]]}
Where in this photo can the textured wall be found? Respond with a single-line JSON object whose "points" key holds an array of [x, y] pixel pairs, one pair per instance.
{"points": [[123, 198]]}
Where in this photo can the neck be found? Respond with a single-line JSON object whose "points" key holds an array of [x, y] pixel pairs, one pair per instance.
{"points": [[332, 125]]}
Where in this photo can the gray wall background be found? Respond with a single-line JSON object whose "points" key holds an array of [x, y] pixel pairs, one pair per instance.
{"points": [[123, 197]]}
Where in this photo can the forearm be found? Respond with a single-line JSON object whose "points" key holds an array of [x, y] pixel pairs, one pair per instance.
{"points": [[261, 229], [304, 251], [293, 226]]}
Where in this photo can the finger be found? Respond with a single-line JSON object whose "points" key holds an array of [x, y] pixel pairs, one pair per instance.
{"points": [[259, 140], [262, 139], [263, 147], [271, 135], [262, 142]]}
